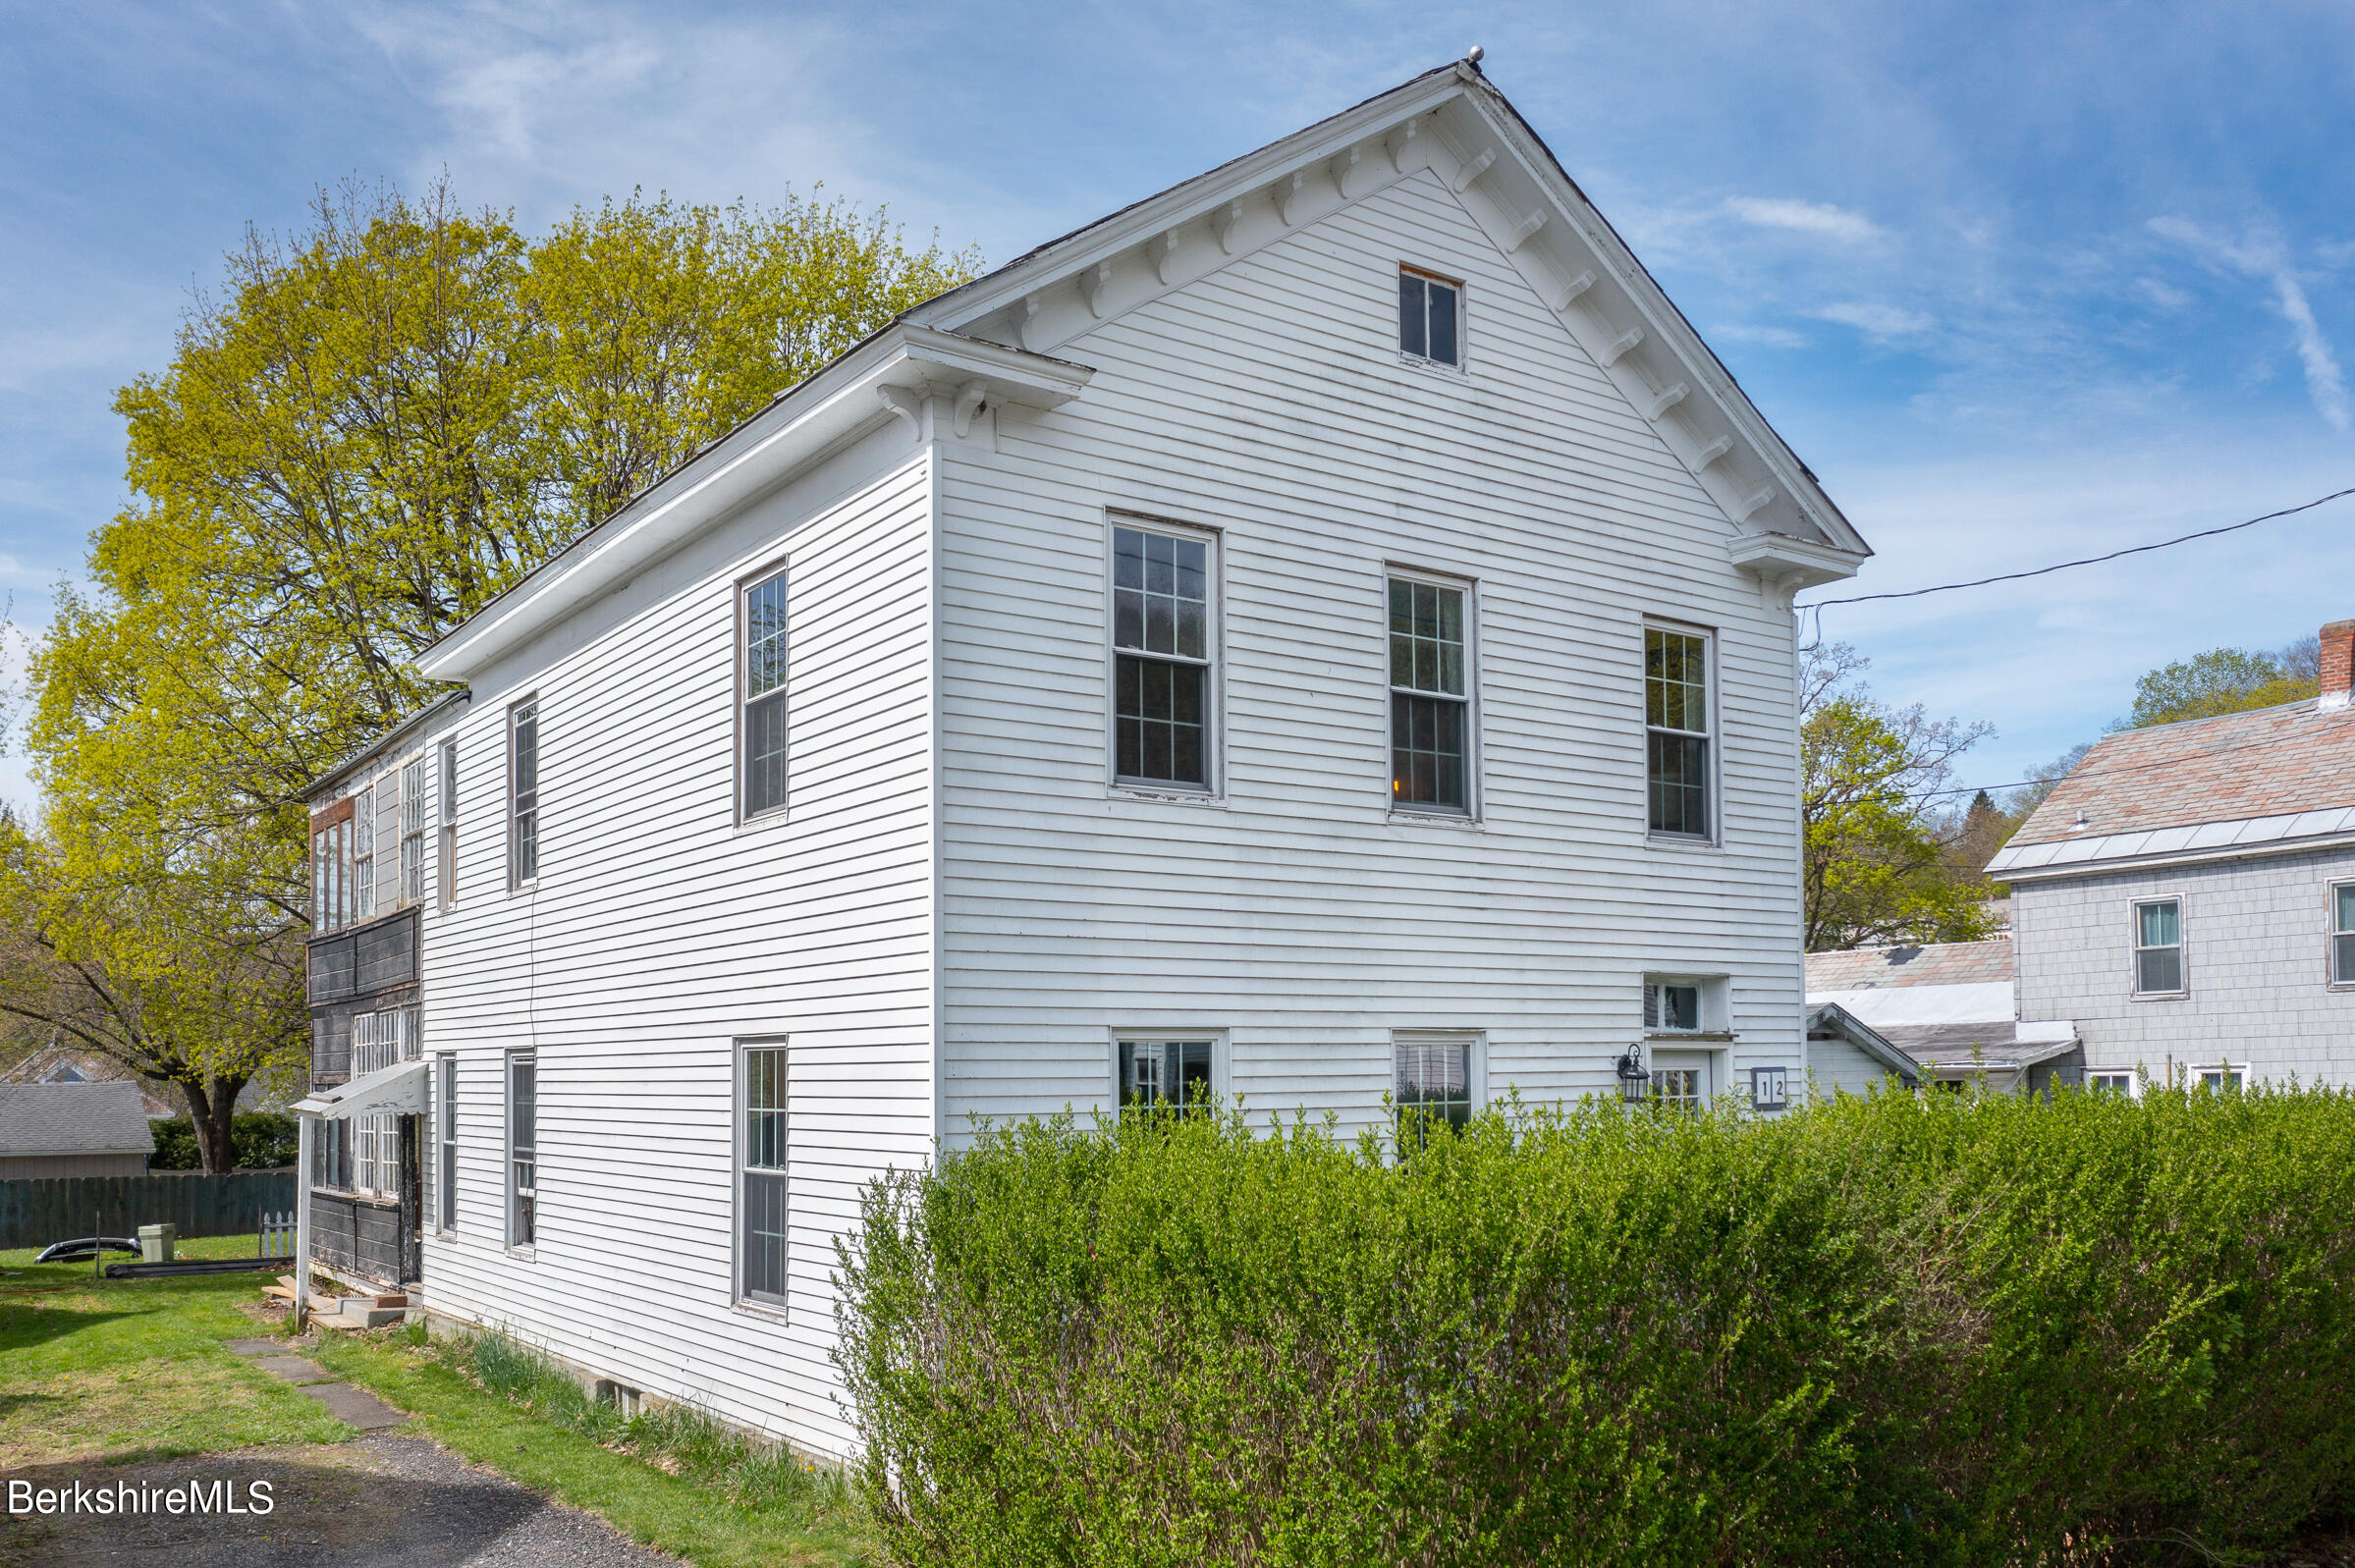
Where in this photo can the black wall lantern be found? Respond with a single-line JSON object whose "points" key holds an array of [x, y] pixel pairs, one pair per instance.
{"points": [[1635, 1083]]}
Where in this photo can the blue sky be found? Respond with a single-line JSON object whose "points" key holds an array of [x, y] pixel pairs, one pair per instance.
{"points": [[2020, 282]]}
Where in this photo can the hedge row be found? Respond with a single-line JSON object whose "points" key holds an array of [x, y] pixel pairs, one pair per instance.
{"points": [[259, 1140], [2085, 1330]]}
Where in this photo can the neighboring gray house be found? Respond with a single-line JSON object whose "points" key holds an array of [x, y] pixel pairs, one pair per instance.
{"points": [[2187, 896], [1951, 1009], [73, 1130]]}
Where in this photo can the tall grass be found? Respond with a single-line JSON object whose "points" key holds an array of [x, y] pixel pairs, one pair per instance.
{"points": [[1953, 1332], [681, 1438]]}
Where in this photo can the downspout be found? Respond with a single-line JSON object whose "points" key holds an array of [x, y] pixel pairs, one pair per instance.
{"points": [[305, 1130]]}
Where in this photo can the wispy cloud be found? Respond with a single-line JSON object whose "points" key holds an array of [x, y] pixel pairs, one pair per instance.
{"points": [[2264, 257], [1763, 337], [1818, 218], [1881, 322]]}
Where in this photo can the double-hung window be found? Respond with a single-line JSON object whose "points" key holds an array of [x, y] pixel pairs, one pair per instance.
{"points": [[2110, 1081], [1430, 700], [1430, 318], [762, 721], [1162, 639], [1432, 1082], [2343, 934], [2158, 947], [2224, 1078], [522, 793], [1164, 1074], [445, 1127], [522, 1148], [762, 1198], [363, 856], [413, 829], [1676, 732], [444, 871]]}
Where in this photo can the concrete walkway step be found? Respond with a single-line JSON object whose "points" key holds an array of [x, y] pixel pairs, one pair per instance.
{"points": [[354, 1407]]}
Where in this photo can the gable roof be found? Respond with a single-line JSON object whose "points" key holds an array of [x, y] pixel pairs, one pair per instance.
{"points": [[2278, 778], [73, 1118], [1938, 963], [62, 1063], [990, 341]]}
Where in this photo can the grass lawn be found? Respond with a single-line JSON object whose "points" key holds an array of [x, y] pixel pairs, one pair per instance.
{"points": [[134, 1369], [111, 1370]]}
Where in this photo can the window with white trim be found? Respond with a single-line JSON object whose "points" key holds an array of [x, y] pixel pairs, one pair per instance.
{"points": [[1431, 1082], [2343, 934], [413, 829], [761, 1195], [2158, 947], [522, 1148], [1679, 1089], [363, 856], [1671, 1006], [2110, 1081], [1163, 641], [2224, 1078], [1430, 318], [444, 1129], [1430, 696], [1676, 732], [445, 873], [1165, 1074], [763, 695], [524, 792]]}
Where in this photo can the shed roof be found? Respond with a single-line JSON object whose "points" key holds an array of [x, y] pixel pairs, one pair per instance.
{"points": [[73, 1118], [1938, 963]]}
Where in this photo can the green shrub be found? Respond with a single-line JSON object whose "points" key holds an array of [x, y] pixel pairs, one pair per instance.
{"points": [[259, 1140], [1954, 1332]]}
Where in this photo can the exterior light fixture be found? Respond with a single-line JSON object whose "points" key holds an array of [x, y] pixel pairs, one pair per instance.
{"points": [[1635, 1083]]}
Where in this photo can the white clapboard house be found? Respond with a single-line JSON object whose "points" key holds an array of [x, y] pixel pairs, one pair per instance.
{"points": [[1320, 637]]}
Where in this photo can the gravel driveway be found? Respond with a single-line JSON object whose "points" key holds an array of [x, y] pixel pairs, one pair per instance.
{"points": [[379, 1501]]}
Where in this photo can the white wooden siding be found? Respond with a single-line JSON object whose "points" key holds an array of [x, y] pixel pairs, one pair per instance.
{"points": [[1268, 401], [1834, 1066], [660, 932]]}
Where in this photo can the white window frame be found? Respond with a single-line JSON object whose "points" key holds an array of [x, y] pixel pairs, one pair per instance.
{"points": [[1212, 790], [1221, 1064], [2205, 1075], [2338, 976], [2135, 951], [364, 856], [413, 829], [779, 696], [1473, 1042], [518, 875], [445, 873], [445, 1144], [779, 1302], [2128, 1081], [1469, 588], [1712, 737], [1710, 1006], [1463, 345], [519, 1237]]}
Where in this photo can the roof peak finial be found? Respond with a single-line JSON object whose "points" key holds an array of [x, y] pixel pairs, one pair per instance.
{"points": [[1472, 56]]}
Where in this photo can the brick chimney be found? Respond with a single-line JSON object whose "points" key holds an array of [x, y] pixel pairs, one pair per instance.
{"points": [[2338, 663]]}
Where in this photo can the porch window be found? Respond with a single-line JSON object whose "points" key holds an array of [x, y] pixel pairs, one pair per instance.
{"points": [[1430, 697], [763, 698], [2158, 947], [522, 1151], [1162, 640], [765, 1148], [1676, 732], [1164, 1074]]}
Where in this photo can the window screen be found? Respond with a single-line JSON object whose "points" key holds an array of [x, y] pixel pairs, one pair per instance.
{"points": [[1429, 309]]}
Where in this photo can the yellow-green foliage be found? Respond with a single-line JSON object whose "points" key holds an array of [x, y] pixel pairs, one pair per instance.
{"points": [[1879, 1330]]}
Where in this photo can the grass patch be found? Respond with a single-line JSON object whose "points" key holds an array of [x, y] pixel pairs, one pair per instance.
{"points": [[673, 1479], [133, 1369]]}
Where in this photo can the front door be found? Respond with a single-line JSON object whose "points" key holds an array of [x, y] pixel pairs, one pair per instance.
{"points": [[413, 1205], [1681, 1079]]}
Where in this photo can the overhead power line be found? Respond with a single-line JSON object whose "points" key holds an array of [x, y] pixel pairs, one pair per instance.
{"points": [[2093, 561]]}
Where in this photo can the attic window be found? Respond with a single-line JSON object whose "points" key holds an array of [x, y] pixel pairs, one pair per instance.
{"points": [[1430, 318]]}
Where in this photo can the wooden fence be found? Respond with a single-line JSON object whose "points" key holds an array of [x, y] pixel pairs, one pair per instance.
{"points": [[35, 1210]]}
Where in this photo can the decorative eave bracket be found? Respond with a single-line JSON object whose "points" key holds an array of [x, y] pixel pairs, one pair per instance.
{"points": [[1787, 565]]}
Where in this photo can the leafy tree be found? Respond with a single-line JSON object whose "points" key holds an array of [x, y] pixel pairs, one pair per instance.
{"points": [[1876, 863], [368, 432], [2221, 680]]}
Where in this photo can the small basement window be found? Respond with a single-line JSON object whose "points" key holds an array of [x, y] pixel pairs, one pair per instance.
{"points": [[1430, 318]]}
